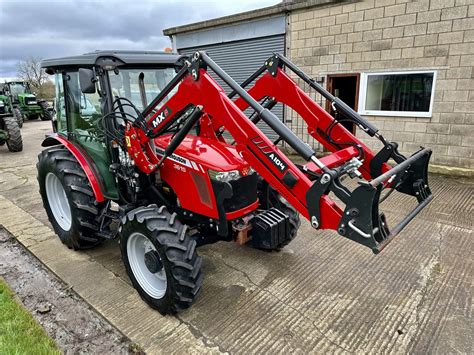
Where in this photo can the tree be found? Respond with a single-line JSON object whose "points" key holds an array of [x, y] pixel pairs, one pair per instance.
{"points": [[30, 71], [46, 91]]}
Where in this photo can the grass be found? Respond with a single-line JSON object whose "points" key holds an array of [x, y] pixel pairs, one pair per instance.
{"points": [[19, 332]]}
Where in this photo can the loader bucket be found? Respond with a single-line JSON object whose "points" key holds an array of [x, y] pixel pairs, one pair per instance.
{"points": [[363, 223]]}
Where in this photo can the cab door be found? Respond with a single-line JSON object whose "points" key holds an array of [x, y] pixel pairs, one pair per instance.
{"points": [[83, 112]]}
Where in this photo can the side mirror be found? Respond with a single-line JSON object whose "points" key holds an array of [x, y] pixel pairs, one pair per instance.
{"points": [[87, 80]]}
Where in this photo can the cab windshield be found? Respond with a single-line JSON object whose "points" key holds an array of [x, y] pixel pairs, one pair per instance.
{"points": [[17, 88], [125, 83]]}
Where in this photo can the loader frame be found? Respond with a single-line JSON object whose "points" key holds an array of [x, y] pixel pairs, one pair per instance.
{"points": [[306, 188]]}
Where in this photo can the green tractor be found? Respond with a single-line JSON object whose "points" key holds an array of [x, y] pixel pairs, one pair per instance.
{"points": [[7, 109], [25, 105], [9, 127]]}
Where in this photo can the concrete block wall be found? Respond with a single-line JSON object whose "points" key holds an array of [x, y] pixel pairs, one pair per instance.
{"points": [[394, 35]]}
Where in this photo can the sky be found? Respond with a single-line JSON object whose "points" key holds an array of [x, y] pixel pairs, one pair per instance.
{"points": [[56, 28]]}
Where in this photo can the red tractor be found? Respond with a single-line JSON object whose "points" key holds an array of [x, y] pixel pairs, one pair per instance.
{"points": [[142, 153]]}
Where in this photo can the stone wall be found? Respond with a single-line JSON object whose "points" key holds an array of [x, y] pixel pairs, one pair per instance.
{"points": [[394, 35]]}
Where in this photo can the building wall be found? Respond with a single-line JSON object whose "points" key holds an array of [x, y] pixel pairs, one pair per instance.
{"points": [[382, 35]]}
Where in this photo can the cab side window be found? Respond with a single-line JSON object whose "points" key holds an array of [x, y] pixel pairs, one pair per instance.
{"points": [[59, 104], [84, 109]]}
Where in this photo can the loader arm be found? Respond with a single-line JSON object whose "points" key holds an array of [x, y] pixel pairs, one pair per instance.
{"points": [[282, 89], [198, 94], [254, 146]]}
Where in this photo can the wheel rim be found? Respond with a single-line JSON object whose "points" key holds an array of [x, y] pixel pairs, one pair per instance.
{"points": [[154, 284], [58, 201]]}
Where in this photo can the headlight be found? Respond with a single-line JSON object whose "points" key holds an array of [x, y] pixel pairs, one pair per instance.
{"points": [[2, 104], [224, 176]]}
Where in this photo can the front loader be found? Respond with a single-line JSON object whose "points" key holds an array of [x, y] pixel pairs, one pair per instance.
{"points": [[140, 155]]}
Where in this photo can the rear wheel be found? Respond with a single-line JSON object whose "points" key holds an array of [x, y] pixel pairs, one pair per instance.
{"points": [[160, 258], [14, 141], [18, 117], [68, 198], [46, 115]]}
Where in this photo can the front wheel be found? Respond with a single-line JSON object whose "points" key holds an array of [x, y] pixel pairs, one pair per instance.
{"points": [[160, 258], [18, 117], [14, 141]]}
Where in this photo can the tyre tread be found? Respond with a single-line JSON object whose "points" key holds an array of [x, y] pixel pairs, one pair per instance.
{"points": [[82, 200], [14, 142], [180, 251]]}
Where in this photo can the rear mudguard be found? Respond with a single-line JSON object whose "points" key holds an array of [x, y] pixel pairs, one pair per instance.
{"points": [[81, 156]]}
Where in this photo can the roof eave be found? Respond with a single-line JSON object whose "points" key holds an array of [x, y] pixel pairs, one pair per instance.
{"points": [[274, 10]]}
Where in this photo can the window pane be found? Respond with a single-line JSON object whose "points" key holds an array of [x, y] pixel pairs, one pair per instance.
{"points": [[84, 109], [17, 89], [59, 104], [399, 92], [125, 83]]}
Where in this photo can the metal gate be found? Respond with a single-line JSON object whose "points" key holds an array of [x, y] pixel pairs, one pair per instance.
{"points": [[240, 59]]}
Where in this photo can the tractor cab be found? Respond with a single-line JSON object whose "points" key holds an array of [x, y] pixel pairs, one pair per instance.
{"points": [[87, 117], [20, 93], [19, 89], [98, 93]]}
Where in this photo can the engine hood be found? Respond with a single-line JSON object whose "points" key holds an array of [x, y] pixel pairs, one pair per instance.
{"points": [[29, 96], [207, 152]]}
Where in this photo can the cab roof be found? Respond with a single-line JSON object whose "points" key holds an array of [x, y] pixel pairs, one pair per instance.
{"points": [[120, 57]]}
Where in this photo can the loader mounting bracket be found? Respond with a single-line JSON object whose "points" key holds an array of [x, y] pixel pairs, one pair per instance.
{"points": [[195, 65], [319, 188], [272, 64]]}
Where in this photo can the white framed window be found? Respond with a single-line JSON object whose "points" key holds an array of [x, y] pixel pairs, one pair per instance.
{"points": [[405, 94]]}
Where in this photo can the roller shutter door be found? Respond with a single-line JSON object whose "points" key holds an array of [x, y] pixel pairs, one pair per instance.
{"points": [[242, 58]]}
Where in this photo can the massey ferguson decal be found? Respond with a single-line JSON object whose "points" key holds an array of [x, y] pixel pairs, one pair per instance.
{"points": [[161, 117], [179, 159]]}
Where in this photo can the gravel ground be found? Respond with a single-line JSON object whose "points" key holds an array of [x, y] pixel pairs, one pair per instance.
{"points": [[73, 325]]}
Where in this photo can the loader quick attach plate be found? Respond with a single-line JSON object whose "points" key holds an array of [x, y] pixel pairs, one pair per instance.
{"points": [[362, 221], [270, 229]]}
